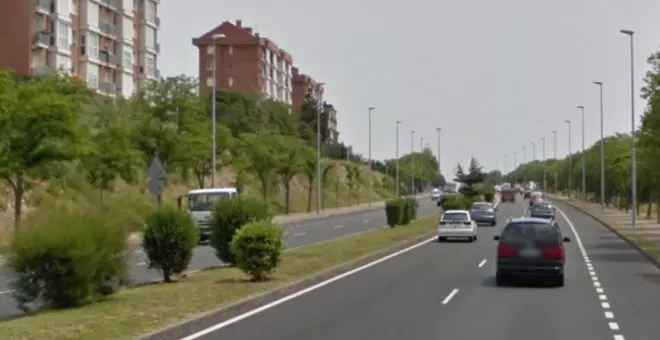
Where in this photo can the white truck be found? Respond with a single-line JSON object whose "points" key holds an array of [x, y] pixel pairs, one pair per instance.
{"points": [[199, 204]]}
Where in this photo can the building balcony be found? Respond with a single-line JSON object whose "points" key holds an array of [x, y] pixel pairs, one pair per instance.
{"points": [[107, 88], [110, 3], [45, 6], [108, 58], [42, 70], [109, 29], [43, 39]]}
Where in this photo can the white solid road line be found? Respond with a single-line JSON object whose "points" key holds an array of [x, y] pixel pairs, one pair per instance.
{"points": [[482, 263], [302, 292], [3, 292], [339, 226], [299, 234], [450, 296]]}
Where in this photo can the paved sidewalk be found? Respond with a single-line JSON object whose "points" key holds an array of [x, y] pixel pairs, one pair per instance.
{"points": [[646, 236]]}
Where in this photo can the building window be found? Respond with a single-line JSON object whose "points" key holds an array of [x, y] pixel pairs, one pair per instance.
{"points": [[93, 81], [231, 82], [210, 49], [209, 65], [63, 35], [231, 50], [74, 6], [128, 60], [150, 65], [150, 11], [93, 45], [209, 81]]}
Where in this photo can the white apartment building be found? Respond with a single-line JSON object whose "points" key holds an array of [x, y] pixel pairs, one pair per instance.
{"points": [[110, 44]]}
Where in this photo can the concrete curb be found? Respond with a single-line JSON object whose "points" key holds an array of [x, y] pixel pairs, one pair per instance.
{"points": [[208, 319], [614, 230]]}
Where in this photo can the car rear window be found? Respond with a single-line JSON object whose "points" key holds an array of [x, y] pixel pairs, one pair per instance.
{"points": [[542, 205], [526, 232], [481, 206], [461, 217]]}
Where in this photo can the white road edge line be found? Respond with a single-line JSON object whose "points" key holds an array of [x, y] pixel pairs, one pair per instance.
{"points": [[482, 263], [302, 292], [450, 296]]}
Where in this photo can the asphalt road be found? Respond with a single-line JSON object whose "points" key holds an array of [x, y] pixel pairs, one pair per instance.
{"points": [[297, 234], [447, 291]]}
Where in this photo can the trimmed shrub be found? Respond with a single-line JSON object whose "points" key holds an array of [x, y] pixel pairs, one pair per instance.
{"points": [[257, 248], [168, 240], [489, 196], [67, 258], [229, 215], [394, 210], [458, 202], [412, 205]]}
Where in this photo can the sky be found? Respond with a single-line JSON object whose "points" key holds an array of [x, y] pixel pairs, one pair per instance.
{"points": [[494, 75]]}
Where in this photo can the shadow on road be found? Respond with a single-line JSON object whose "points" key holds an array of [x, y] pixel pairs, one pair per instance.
{"points": [[489, 282]]}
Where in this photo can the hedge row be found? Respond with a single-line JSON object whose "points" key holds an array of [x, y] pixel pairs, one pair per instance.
{"points": [[401, 211], [67, 259]]}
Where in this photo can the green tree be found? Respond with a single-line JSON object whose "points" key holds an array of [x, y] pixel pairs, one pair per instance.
{"points": [[263, 152], [293, 163], [40, 124]]}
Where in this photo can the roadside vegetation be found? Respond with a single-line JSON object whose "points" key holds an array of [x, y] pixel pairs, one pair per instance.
{"points": [[474, 188], [617, 161], [72, 165]]}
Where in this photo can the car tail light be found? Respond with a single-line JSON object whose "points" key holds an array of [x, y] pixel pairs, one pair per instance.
{"points": [[442, 223], [467, 223], [506, 251], [554, 253]]}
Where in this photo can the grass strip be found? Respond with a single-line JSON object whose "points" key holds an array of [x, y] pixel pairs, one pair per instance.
{"points": [[139, 310]]}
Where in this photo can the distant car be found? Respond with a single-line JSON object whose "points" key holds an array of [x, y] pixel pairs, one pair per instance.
{"points": [[542, 210], [483, 213], [436, 194], [530, 248], [535, 198], [508, 195], [457, 224], [527, 194]]}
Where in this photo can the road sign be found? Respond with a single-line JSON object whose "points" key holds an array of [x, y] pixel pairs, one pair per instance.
{"points": [[157, 175]]}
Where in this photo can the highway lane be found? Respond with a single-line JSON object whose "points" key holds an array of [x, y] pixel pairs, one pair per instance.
{"points": [[297, 234], [447, 291], [401, 298]]}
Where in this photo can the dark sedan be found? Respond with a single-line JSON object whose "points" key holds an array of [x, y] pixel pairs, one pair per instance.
{"points": [[484, 213], [542, 210]]}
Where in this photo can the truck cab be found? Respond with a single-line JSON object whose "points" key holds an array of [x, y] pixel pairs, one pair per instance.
{"points": [[199, 204]]}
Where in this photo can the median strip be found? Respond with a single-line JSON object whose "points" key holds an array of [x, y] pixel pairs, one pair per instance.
{"points": [[139, 310]]}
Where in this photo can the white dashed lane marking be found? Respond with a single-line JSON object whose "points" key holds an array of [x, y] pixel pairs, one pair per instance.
{"points": [[482, 263], [604, 303]]}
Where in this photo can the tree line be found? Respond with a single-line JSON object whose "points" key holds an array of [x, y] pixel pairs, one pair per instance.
{"points": [[617, 159], [57, 130]]}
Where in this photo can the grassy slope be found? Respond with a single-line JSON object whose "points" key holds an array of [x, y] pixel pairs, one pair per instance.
{"points": [[132, 197]]}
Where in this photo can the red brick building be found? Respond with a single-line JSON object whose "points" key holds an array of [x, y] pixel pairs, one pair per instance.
{"points": [[246, 62]]}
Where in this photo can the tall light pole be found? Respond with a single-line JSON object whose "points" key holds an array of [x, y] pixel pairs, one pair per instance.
{"points": [[633, 151], [506, 166], [371, 108], [412, 162], [421, 149], [533, 151], [319, 189], [545, 164], [439, 130], [214, 147], [554, 136], [570, 159], [602, 150], [584, 158], [524, 150], [515, 165], [398, 122]]}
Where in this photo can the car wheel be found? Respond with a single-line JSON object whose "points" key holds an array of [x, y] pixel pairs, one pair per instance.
{"points": [[475, 237], [441, 239], [500, 280], [559, 280], [494, 223]]}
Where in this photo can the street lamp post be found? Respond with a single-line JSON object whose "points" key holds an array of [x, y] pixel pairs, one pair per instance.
{"points": [[371, 108], [214, 146], [506, 166], [570, 166], [633, 151], [515, 165], [421, 149], [554, 136], [398, 122], [524, 150], [544, 164], [412, 162], [439, 130], [533, 151], [584, 158], [602, 150], [319, 189]]}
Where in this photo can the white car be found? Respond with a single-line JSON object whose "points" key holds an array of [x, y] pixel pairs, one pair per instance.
{"points": [[436, 194], [457, 224]]}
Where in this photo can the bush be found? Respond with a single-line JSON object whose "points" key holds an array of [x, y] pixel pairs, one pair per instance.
{"points": [[394, 210], [63, 258], [257, 248], [169, 239], [489, 196], [412, 205], [231, 214], [457, 202]]}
